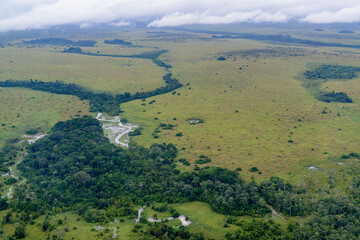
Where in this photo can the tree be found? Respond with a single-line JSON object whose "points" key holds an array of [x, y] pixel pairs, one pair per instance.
{"points": [[19, 231], [4, 203]]}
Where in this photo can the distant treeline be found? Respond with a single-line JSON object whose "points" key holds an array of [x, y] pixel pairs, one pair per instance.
{"points": [[274, 38], [346, 31], [118, 42], [61, 42], [153, 55], [284, 39], [270, 52], [99, 101]]}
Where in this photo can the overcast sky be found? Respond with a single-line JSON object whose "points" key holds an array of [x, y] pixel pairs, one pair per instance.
{"points": [[34, 14]]}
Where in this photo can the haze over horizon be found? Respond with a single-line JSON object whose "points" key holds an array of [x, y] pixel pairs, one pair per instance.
{"points": [[38, 14]]}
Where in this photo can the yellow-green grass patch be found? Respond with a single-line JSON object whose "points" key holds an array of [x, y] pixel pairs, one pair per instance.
{"points": [[258, 116], [24, 109], [117, 75], [70, 226], [204, 220], [114, 49]]}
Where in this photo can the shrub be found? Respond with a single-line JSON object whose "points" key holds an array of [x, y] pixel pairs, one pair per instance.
{"points": [[253, 169], [354, 155], [175, 214], [10, 181], [32, 131], [136, 132], [169, 126], [203, 161], [161, 208], [19, 231], [184, 161]]}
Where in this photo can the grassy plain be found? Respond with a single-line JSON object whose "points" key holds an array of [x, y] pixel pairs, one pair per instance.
{"points": [[71, 227], [117, 75], [255, 110], [258, 116], [113, 49], [23, 109], [204, 220]]}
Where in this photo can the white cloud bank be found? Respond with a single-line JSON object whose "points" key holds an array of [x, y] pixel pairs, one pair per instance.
{"points": [[178, 19], [345, 15], [32, 14]]}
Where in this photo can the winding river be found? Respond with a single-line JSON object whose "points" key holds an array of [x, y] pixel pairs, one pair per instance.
{"points": [[115, 130]]}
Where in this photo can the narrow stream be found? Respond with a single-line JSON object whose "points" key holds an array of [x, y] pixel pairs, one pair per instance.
{"points": [[12, 173], [114, 232], [139, 214]]}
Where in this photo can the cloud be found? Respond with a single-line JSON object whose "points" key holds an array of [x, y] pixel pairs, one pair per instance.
{"points": [[121, 23], [345, 15], [30, 14], [178, 19]]}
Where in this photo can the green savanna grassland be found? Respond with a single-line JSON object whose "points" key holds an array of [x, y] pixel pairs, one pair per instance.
{"points": [[255, 110], [251, 114], [23, 109], [97, 73]]}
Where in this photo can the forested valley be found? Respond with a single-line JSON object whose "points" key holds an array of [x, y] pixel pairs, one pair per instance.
{"points": [[75, 168]]}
